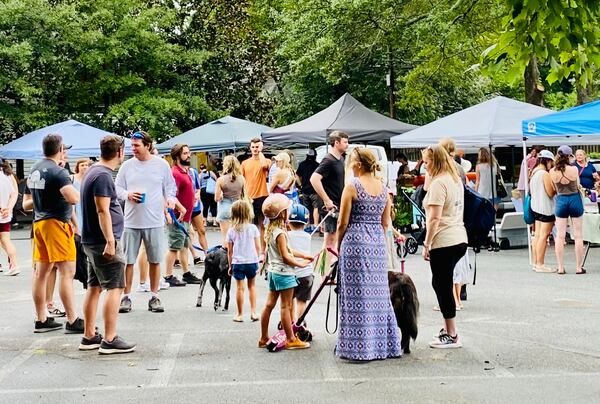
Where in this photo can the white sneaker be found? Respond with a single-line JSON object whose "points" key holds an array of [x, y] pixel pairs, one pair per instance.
{"points": [[445, 341], [164, 285], [143, 287], [13, 271]]}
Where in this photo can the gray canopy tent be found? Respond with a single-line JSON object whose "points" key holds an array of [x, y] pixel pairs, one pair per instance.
{"points": [[346, 114]]}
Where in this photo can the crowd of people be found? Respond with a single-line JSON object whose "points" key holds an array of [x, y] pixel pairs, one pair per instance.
{"points": [[266, 212]]}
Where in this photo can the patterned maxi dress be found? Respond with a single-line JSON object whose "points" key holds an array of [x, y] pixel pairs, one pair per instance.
{"points": [[368, 328]]}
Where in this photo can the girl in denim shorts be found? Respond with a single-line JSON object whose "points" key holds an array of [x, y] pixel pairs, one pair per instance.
{"points": [[281, 262]]}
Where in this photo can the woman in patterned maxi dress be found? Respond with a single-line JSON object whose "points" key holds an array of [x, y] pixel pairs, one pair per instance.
{"points": [[368, 328]]}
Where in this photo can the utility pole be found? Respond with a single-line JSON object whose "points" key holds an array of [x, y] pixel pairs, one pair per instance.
{"points": [[391, 83]]}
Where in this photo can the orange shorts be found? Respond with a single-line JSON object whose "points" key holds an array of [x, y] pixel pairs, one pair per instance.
{"points": [[53, 241]]}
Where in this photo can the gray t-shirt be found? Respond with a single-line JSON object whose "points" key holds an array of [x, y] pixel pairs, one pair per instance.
{"points": [[274, 259], [98, 181], [44, 183]]}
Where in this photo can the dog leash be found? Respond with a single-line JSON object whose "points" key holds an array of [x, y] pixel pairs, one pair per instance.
{"points": [[182, 228], [329, 213]]}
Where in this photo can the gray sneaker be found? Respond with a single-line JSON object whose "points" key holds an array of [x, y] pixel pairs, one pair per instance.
{"points": [[116, 346], [155, 306], [125, 305], [89, 344]]}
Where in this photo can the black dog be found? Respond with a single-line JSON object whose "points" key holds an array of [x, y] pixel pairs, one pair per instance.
{"points": [[406, 306], [215, 270]]}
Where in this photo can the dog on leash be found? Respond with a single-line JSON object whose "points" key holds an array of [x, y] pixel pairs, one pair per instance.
{"points": [[405, 302], [216, 267]]}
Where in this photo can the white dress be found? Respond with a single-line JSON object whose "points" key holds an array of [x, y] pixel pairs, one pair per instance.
{"points": [[462, 270]]}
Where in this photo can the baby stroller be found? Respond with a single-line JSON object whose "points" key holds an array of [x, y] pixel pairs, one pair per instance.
{"points": [[416, 235]]}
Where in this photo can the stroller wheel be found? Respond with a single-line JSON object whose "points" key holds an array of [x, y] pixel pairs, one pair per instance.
{"points": [[411, 245]]}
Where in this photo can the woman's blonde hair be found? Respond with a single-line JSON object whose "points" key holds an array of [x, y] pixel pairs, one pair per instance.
{"points": [[485, 157], [448, 144], [278, 222], [241, 214], [231, 165], [440, 162], [366, 158]]}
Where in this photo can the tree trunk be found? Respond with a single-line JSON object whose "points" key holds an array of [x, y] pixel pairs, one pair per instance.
{"points": [[534, 90], [584, 93]]}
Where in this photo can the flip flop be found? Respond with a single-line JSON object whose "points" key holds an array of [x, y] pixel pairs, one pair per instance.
{"points": [[583, 271], [238, 319], [254, 318], [561, 272]]}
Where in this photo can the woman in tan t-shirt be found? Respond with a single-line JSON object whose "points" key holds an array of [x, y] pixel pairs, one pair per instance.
{"points": [[446, 240]]}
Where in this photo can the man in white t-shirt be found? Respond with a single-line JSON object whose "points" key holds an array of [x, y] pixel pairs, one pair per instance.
{"points": [[8, 198], [146, 185]]}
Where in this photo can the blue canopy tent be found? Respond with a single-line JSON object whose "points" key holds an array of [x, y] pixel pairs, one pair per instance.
{"points": [[574, 126], [85, 140], [222, 134]]}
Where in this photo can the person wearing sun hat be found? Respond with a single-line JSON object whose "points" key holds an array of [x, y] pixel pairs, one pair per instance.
{"points": [[281, 263], [569, 203]]}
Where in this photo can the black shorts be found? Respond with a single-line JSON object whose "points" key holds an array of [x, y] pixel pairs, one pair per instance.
{"points": [[544, 218], [257, 208], [196, 213], [303, 291], [108, 274], [310, 201]]}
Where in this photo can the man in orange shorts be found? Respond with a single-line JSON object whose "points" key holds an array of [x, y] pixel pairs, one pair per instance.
{"points": [[53, 240]]}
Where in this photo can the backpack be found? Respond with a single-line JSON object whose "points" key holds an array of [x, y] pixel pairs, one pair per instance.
{"points": [[479, 216]]}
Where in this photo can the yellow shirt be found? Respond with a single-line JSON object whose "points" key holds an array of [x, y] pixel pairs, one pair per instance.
{"points": [[255, 173], [445, 192]]}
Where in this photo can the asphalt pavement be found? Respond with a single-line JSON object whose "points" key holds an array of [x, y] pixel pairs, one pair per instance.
{"points": [[528, 338]]}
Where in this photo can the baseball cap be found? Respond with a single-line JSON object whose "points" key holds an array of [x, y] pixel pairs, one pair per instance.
{"points": [[283, 157], [547, 154], [311, 152], [565, 150], [275, 204], [298, 214]]}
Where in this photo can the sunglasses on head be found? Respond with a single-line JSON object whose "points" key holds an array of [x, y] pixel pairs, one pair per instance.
{"points": [[138, 135]]}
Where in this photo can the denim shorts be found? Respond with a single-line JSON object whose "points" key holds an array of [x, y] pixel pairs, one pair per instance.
{"points": [[243, 271], [224, 209], [569, 206], [279, 282]]}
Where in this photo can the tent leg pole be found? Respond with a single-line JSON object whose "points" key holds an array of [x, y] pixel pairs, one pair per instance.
{"points": [[529, 246], [493, 179]]}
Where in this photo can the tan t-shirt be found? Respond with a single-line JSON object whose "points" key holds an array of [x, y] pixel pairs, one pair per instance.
{"points": [[255, 174], [443, 191]]}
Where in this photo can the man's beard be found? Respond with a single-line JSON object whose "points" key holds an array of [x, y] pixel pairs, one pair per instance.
{"points": [[186, 162]]}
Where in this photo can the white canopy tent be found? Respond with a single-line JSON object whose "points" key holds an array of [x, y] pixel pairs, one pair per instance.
{"points": [[495, 122]]}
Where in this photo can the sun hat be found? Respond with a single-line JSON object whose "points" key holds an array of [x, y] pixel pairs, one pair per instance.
{"points": [[275, 204], [547, 154], [298, 214], [283, 157], [565, 150]]}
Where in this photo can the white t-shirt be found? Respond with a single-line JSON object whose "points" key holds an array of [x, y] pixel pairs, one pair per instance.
{"points": [[244, 248], [153, 177], [6, 187], [393, 167], [300, 241]]}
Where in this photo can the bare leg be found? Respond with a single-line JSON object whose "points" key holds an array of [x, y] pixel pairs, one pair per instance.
{"points": [[239, 296], [155, 276], [224, 225], [183, 259], [128, 278], [252, 297], [543, 232], [38, 288], [315, 217], [90, 308], [50, 283], [67, 272], [300, 307], [286, 307], [578, 234], [456, 293], [450, 326], [266, 315], [9, 247], [559, 242], [170, 261], [111, 312], [198, 224], [143, 266]]}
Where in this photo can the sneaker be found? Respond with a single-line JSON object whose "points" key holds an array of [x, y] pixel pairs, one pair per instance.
{"points": [[190, 278], [439, 334], [13, 271], [297, 344], [116, 346], [76, 327], [89, 344], [56, 312], [48, 325], [198, 261], [163, 285], [177, 264], [143, 287], [125, 305], [446, 341], [173, 281], [155, 306]]}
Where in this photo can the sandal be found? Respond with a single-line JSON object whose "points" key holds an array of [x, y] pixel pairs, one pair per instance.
{"points": [[262, 343], [561, 272], [254, 318], [583, 271], [238, 319]]}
